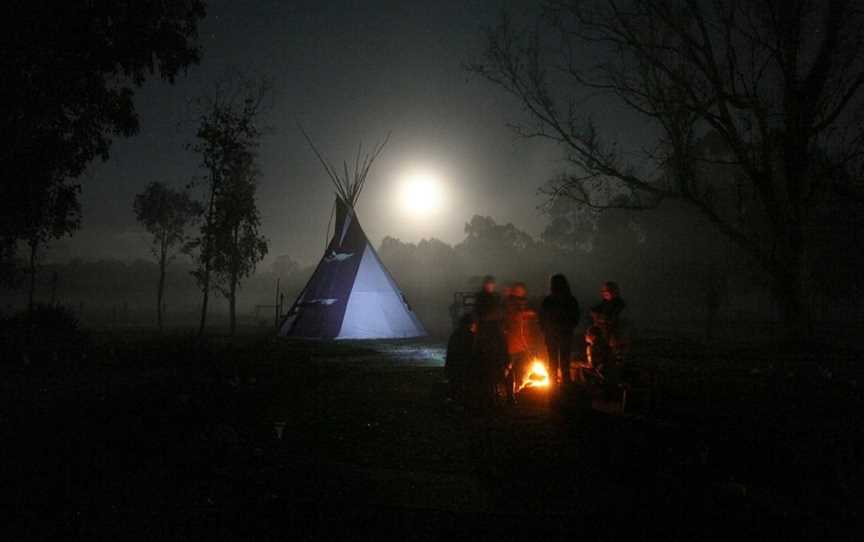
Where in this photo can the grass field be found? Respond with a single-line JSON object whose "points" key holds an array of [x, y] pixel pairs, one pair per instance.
{"points": [[247, 438]]}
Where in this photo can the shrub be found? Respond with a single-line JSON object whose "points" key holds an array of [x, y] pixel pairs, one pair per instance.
{"points": [[47, 334]]}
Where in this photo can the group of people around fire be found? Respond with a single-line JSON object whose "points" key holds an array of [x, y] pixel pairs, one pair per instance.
{"points": [[496, 344]]}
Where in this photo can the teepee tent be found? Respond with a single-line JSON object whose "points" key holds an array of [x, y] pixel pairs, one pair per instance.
{"points": [[351, 295]]}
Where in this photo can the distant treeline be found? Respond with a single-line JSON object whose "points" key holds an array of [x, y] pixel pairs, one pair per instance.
{"points": [[122, 292], [670, 275], [674, 270]]}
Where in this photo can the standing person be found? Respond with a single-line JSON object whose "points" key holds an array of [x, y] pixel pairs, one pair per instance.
{"points": [[559, 316], [490, 349], [488, 307], [517, 328]]}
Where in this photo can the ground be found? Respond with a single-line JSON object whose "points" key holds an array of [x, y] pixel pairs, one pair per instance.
{"points": [[169, 438]]}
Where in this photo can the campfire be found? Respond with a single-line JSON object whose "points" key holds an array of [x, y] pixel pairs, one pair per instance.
{"points": [[536, 376]]}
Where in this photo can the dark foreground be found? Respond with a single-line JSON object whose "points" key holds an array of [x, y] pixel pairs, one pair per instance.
{"points": [[165, 439]]}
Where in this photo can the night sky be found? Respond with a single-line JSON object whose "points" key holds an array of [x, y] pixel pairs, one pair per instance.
{"points": [[348, 71]]}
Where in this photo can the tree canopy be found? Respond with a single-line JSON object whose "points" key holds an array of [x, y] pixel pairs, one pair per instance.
{"points": [[165, 214], [756, 108], [68, 75], [227, 144]]}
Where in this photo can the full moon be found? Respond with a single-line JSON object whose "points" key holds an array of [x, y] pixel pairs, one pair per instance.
{"points": [[421, 194]]}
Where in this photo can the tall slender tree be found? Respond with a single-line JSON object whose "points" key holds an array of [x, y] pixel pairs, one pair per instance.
{"points": [[227, 142], [165, 214], [237, 244]]}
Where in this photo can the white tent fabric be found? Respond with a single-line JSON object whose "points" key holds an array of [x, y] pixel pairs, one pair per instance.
{"points": [[376, 307], [351, 295]]}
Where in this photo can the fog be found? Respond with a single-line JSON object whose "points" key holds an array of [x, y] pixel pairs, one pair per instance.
{"points": [[676, 273], [350, 75]]}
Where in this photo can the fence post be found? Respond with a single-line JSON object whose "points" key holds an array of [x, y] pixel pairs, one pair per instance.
{"points": [[276, 316]]}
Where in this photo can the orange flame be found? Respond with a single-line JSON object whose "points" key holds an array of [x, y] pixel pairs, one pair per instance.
{"points": [[536, 376]]}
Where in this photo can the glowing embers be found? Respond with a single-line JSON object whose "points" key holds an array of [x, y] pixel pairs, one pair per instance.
{"points": [[536, 376]]}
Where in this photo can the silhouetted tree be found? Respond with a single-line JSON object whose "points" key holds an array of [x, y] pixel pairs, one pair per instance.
{"points": [[570, 227], [227, 142], [68, 73], [758, 88], [410, 264], [236, 244], [165, 214], [483, 233], [47, 214], [506, 251]]}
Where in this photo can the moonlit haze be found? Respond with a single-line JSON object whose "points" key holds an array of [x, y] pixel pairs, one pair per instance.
{"points": [[421, 194], [365, 76]]}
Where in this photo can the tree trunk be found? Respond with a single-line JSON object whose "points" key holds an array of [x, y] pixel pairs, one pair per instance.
{"points": [[207, 254], [278, 305], [792, 311], [232, 303], [34, 245], [54, 280], [235, 266], [161, 288], [789, 294], [206, 288]]}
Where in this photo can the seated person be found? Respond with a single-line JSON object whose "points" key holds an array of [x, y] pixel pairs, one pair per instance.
{"points": [[459, 355], [604, 338]]}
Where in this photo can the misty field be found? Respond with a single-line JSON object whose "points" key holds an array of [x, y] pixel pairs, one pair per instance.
{"points": [[258, 438]]}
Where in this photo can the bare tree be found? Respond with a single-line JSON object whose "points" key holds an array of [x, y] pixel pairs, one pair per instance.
{"points": [[757, 108]]}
